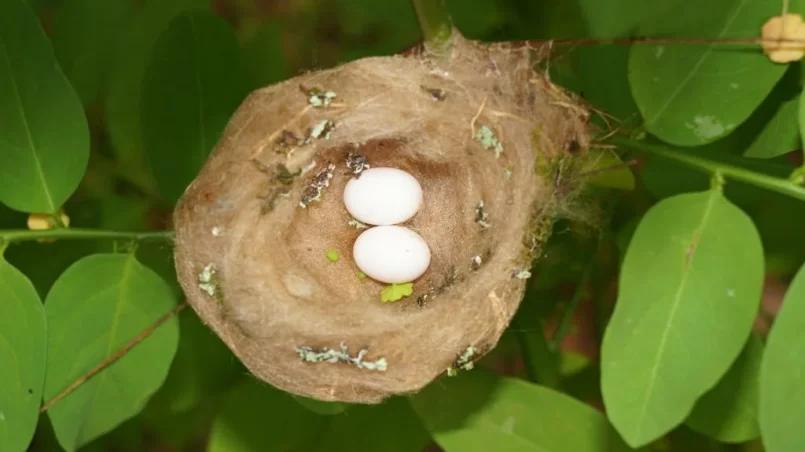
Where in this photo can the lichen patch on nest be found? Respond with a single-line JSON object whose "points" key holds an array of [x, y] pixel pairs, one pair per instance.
{"points": [[463, 362], [488, 140], [317, 97], [205, 280], [328, 355], [481, 216]]}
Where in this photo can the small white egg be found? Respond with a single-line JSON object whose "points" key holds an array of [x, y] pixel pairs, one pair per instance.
{"points": [[391, 254], [383, 196]]}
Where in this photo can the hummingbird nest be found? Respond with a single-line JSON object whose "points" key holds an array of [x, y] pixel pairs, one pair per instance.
{"points": [[256, 226]]}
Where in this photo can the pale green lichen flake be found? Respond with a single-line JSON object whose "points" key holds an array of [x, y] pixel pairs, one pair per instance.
{"points": [[488, 140], [205, 280], [328, 355]]}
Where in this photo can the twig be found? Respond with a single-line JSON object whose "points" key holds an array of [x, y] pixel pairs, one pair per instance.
{"points": [[772, 183], [567, 316], [111, 360], [20, 235], [277, 132], [436, 26], [475, 118], [655, 41]]}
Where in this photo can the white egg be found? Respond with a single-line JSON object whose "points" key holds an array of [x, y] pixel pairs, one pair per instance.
{"points": [[383, 196], [391, 254]]}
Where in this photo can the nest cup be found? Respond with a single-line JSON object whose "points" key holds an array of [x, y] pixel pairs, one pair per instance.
{"points": [[254, 227]]}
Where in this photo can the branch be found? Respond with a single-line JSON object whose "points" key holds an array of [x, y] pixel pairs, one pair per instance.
{"points": [[112, 359], [436, 25], [777, 184], [567, 316], [20, 235], [659, 41]]}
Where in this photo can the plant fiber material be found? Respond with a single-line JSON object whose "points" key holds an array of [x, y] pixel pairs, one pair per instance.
{"points": [[269, 290]]}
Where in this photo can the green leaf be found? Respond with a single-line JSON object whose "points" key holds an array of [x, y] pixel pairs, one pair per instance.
{"points": [[23, 348], [782, 400], [394, 292], [729, 412], [258, 417], [370, 28], [97, 306], [602, 71], [694, 94], [779, 220], [193, 84], [83, 37], [263, 55], [541, 365], [44, 137], [332, 255], [619, 18], [781, 134], [243, 425], [692, 275], [607, 170], [477, 18], [391, 426], [481, 411], [132, 51], [202, 367], [321, 407]]}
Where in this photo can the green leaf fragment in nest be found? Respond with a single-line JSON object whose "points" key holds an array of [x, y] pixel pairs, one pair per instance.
{"points": [[332, 255], [396, 292]]}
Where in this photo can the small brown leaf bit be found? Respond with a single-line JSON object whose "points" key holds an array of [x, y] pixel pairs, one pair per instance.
{"points": [[320, 182], [357, 163], [481, 217], [287, 142], [451, 278], [437, 93], [282, 175]]}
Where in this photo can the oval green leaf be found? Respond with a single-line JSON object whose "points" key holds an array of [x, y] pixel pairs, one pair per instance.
{"points": [[619, 18], [202, 368], [258, 417], [729, 412], [23, 348], [193, 84], [97, 306], [782, 400], [781, 134], [608, 170], [694, 94], [44, 137], [321, 407], [692, 275], [84, 32], [123, 87], [481, 411]]}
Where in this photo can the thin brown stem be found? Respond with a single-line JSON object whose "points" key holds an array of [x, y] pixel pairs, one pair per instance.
{"points": [[112, 359], [655, 41]]}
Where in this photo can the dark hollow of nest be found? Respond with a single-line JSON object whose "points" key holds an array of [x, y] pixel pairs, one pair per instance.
{"points": [[252, 261]]}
